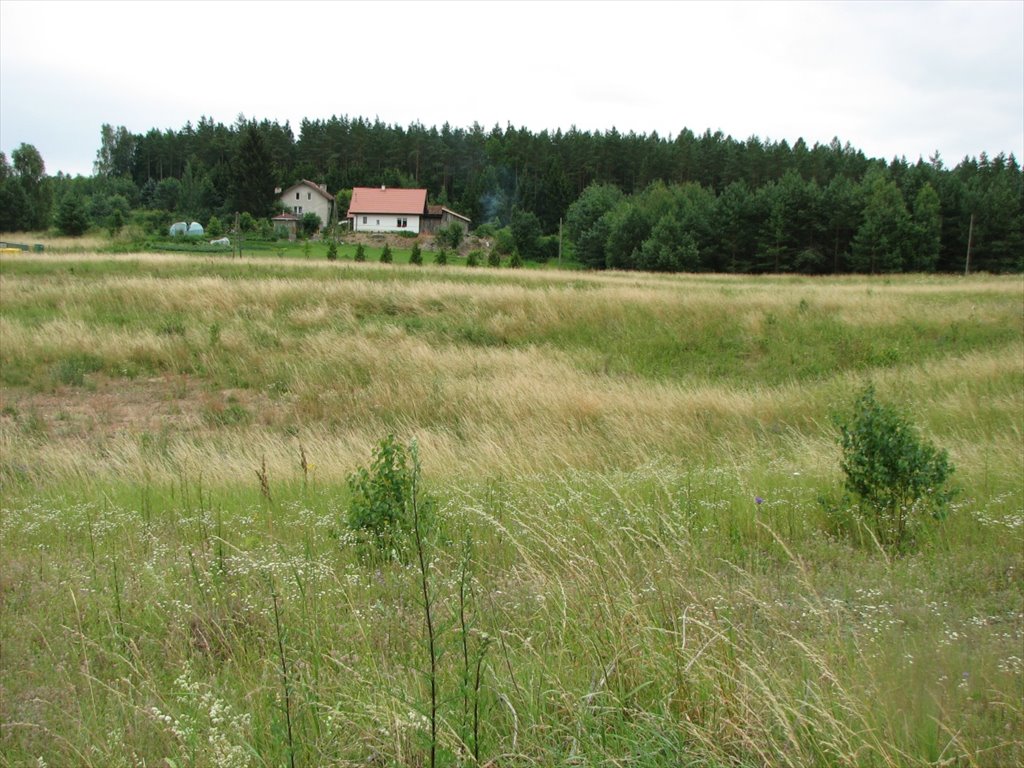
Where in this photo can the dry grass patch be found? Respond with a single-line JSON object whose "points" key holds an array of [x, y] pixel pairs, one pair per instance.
{"points": [[84, 243], [520, 370]]}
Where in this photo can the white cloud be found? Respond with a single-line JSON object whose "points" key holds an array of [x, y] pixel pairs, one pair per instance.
{"points": [[891, 78]]}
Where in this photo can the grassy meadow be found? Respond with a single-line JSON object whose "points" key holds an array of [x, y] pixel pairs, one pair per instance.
{"points": [[178, 586]]}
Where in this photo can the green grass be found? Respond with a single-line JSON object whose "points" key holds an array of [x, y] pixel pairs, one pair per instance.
{"points": [[304, 250], [595, 444]]}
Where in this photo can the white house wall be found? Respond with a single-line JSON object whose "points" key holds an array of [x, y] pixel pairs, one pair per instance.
{"points": [[385, 222], [308, 201]]}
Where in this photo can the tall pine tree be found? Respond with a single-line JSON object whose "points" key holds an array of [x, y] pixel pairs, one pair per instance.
{"points": [[927, 229], [253, 176], [882, 241]]}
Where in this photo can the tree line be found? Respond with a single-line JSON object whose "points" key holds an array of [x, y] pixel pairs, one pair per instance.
{"points": [[643, 201]]}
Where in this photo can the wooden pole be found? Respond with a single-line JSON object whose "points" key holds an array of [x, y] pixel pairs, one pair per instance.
{"points": [[559, 241], [970, 237]]}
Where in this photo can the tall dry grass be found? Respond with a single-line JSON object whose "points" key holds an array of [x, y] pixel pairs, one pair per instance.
{"points": [[174, 438], [491, 375]]}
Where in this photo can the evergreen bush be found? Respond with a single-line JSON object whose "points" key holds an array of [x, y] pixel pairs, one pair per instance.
{"points": [[72, 216], [450, 236], [899, 479]]}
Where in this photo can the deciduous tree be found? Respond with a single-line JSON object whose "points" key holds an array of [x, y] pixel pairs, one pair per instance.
{"points": [[116, 155], [585, 226], [30, 172]]}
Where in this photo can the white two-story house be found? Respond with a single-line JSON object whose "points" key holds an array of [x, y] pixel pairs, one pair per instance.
{"points": [[307, 197]]}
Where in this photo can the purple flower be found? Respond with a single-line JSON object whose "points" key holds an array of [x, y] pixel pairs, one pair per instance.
{"points": [[758, 500]]}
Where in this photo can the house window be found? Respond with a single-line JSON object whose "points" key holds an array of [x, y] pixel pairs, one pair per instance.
{"points": [[309, 195], [378, 222], [364, 219], [296, 195], [402, 223]]}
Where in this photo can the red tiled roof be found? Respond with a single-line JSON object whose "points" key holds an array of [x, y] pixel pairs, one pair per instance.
{"points": [[285, 217], [382, 200]]}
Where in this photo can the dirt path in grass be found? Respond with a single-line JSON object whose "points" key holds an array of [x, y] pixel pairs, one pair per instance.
{"points": [[108, 407]]}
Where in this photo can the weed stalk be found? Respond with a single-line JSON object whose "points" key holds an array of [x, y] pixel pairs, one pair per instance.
{"points": [[284, 679], [425, 584]]}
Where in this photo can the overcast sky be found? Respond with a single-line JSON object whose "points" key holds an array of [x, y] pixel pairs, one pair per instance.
{"points": [[891, 78]]}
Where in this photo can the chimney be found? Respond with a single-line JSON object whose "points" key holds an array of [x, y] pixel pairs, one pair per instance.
{"points": [[382, 187]]}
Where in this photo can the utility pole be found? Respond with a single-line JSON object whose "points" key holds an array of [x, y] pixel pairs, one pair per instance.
{"points": [[559, 241], [238, 234], [970, 237], [334, 218]]}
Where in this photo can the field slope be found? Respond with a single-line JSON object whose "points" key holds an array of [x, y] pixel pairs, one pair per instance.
{"points": [[178, 585]]}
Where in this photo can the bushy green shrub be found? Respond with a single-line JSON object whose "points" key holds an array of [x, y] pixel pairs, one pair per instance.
{"points": [[416, 256], [503, 241], [441, 257], [383, 495], [515, 261], [474, 258], [360, 253], [332, 251], [494, 258], [214, 228], [485, 230], [150, 222], [72, 217], [526, 233], [899, 479], [385, 255], [116, 223], [310, 224], [450, 236], [548, 248]]}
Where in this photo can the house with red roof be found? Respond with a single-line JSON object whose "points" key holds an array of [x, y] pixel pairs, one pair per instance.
{"points": [[381, 209], [374, 209]]}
